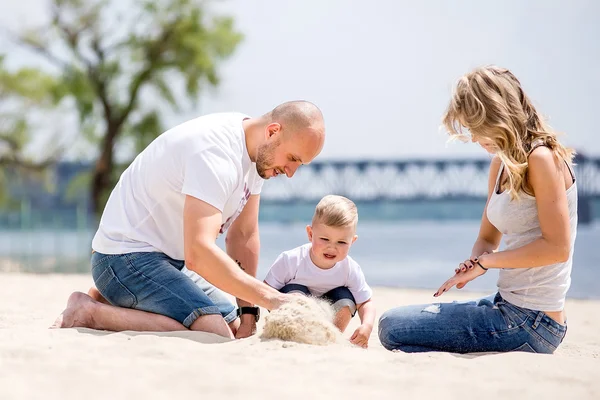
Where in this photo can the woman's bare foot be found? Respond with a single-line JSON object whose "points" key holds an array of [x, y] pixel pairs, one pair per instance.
{"points": [[79, 312], [95, 294]]}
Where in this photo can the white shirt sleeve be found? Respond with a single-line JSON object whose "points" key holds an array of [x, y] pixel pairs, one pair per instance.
{"points": [[210, 175], [357, 284], [280, 273]]}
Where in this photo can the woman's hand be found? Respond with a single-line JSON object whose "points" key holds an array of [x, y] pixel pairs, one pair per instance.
{"points": [[467, 265], [466, 272]]}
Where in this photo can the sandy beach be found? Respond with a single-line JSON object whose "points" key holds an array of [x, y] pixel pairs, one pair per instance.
{"points": [[37, 363]]}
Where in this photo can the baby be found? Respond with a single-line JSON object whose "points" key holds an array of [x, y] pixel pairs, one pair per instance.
{"points": [[323, 268]]}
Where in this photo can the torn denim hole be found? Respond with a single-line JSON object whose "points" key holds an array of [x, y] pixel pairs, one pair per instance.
{"points": [[432, 308]]}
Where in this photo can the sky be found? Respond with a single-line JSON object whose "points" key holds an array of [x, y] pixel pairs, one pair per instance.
{"points": [[382, 71]]}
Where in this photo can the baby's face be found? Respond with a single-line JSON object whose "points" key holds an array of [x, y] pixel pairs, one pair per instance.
{"points": [[329, 244]]}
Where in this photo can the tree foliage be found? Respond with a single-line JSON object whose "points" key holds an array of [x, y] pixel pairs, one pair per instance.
{"points": [[122, 69], [21, 91]]}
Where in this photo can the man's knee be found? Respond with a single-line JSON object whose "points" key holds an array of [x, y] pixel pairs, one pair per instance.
{"points": [[212, 323], [234, 325], [95, 294]]}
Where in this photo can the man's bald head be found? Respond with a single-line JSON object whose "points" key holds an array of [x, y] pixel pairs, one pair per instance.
{"points": [[297, 117]]}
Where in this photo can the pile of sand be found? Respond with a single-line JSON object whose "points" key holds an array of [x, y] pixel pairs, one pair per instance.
{"points": [[303, 320]]}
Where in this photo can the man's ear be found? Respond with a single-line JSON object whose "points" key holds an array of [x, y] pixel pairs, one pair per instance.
{"points": [[273, 130]]}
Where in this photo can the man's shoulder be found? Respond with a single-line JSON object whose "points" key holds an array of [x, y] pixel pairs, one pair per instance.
{"points": [[217, 128], [230, 121], [220, 134], [222, 117]]}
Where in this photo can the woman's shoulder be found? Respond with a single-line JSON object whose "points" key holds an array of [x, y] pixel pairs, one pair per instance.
{"points": [[495, 164], [543, 163], [542, 157]]}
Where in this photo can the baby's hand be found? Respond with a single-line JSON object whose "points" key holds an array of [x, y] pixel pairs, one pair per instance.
{"points": [[361, 335]]}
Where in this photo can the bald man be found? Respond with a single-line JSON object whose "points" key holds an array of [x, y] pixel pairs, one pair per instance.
{"points": [[193, 183]]}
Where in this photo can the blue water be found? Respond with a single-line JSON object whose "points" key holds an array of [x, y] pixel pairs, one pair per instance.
{"points": [[408, 254]]}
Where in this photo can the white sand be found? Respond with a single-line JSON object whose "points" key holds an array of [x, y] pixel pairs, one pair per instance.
{"points": [[37, 363]]}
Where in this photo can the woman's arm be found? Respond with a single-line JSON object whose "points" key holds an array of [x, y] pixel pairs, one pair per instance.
{"points": [[489, 237], [546, 177]]}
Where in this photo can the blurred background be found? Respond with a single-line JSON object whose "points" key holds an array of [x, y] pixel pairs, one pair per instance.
{"points": [[85, 85]]}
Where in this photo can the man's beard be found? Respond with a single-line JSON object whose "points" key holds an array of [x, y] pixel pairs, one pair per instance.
{"points": [[265, 157]]}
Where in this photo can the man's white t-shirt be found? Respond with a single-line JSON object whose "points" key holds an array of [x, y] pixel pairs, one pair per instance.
{"points": [[295, 266], [205, 158]]}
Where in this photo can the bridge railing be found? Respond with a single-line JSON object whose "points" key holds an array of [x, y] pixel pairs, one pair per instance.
{"points": [[372, 181], [377, 182], [404, 180]]}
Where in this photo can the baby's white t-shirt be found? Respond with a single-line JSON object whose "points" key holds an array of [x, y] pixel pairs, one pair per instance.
{"points": [[205, 158], [296, 266]]}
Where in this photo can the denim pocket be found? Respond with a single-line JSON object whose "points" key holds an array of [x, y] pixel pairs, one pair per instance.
{"points": [[546, 334], [526, 347], [513, 317], [112, 289]]}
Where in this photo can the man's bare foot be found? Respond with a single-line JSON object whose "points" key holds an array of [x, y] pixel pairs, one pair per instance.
{"points": [[79, 312], [95, 294]]}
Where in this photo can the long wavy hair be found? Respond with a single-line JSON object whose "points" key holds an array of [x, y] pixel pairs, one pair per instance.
{"points": [[489, 102]]}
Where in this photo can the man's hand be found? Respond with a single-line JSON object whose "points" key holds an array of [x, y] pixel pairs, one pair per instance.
{"points": [[247, 326], [282, 298], [361, 335]]}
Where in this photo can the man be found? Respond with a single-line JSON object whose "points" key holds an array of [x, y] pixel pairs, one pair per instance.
{"points": [[188, 186]]}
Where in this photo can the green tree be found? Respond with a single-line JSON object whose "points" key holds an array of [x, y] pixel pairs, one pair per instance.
{"points": [[20, 91], [122, 70]]}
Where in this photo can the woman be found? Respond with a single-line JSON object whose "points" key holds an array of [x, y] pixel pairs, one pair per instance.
{"points": [[532, 203]]}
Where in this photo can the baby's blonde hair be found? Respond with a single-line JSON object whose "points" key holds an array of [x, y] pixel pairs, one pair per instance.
{"points": [[490, 102], [336, 211]]}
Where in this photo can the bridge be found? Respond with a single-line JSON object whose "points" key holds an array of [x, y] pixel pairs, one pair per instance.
{"points": [[416, 180], [390, 188]]}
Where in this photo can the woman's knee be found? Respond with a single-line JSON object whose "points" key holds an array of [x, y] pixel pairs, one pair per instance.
{"points": [[393, 330], [385, 328]]}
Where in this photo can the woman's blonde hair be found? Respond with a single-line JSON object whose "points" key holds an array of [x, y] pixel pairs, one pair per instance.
{"points": [[490, 102]]}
